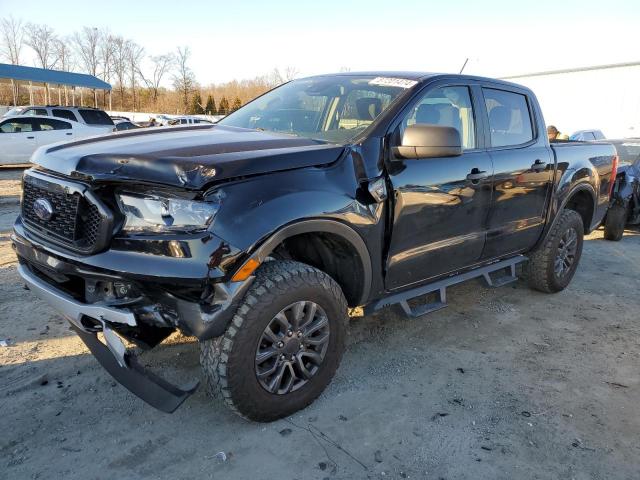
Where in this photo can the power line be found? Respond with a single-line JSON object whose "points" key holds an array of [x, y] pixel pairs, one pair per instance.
{"points": [[573, 70]]}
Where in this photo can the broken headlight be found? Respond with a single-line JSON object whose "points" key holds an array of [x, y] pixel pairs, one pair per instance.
{"points": [[158, 213]]}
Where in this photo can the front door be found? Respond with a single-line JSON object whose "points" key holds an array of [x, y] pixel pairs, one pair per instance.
{"points": [[441, 204], [17, 140]]}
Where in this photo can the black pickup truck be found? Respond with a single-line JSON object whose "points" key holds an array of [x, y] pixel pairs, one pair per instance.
{"points": [[255, 235]]}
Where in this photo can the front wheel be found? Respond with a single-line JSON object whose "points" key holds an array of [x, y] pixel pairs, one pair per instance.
{"points": [[282, 347], [552, 265], [615, 222]]}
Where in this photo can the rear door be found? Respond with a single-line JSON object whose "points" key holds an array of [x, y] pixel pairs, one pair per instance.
{"points": [[17, 140], [52, 130], [440, 204], [523, 169]]}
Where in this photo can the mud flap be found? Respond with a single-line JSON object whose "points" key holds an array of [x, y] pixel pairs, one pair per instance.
{"points": [[143, 383]]}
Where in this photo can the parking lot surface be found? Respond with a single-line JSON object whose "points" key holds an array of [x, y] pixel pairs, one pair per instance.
{"points": [[503, 384]]}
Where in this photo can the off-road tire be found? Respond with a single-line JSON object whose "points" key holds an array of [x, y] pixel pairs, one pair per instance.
{"points": [[615, 222], [539, 270], [228, 362]]}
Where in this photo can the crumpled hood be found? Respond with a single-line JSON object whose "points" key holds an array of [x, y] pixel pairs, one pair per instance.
{"points": [[188, 157]]}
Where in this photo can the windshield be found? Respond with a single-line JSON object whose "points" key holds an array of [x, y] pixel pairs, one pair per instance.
{"points": [[332, 108]]}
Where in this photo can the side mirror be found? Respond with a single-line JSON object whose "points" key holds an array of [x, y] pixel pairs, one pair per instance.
{"points": [[428, 141]]}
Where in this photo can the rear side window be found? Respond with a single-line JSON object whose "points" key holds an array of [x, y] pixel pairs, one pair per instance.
{"points": [[16, 126], [68, 114], [95, 117], [52, 124], [35, 111], [509, 118]]}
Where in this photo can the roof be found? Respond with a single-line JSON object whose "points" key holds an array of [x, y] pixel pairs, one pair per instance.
{"points": [[380, 73], [53, 77]]}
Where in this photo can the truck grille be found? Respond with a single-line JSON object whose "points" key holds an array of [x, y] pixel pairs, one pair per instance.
{"points": [[76, 222]]}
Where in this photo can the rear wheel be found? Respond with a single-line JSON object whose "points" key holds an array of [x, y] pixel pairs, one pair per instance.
{"points": [[552, 265], [284, 343], [615, 222]]}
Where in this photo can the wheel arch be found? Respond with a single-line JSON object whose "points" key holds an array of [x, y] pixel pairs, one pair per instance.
{"points": [[312, 241], [581, 199]]}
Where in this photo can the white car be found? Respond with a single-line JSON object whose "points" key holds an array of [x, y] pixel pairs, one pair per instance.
{"points": [[188, 121], [21, 135]]}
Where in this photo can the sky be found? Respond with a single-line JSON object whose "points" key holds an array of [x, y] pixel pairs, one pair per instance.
{"points": [[245, 38]]}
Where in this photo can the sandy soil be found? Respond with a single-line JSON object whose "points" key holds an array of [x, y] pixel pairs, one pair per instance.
{"points": [[504, 384]]}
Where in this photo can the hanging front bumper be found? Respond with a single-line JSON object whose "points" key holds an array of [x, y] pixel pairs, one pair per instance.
{"points": [[113, 354]]}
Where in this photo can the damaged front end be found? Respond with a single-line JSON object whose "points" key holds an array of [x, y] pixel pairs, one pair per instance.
{"points": [[119, 308], [134, 286]]}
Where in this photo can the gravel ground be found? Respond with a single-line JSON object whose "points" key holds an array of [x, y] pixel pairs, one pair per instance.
{"points": [[504, 384]]}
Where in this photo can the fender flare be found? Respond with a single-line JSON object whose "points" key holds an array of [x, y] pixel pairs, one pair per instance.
{"points": [[577, 188], [322, 226]]}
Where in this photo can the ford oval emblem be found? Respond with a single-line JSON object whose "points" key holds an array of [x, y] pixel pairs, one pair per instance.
{"points": [[43, 209]]}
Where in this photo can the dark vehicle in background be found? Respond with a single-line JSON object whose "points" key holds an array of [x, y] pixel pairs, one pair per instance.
{"points": [[87, 115], [625, 202], [125, 125], [256, 234]]}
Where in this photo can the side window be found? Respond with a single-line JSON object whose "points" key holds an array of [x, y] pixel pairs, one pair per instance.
{"points": [[16, 126], [52, 124], [183, 121], [68, 114], [449, 107], [509, 117]]}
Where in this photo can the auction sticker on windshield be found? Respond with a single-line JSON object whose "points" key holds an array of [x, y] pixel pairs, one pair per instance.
{"points": [[393, 82]]}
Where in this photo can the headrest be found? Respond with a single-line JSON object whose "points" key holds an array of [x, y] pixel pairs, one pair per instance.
{"points": [[428, 114], [500, 118], [450, 116], [368, 108]]}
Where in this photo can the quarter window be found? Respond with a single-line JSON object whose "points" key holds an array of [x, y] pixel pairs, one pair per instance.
{"points": [[509, 118], [448, 107]]}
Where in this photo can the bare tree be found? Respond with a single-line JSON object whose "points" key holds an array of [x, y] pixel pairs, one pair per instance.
{"points": [[42, 39], [65, 63], [136, 54], [184, 80], [161, 66], [12, 39], [87, 41], [64, 54], [120, 64], [106, 51], [291, 73]]}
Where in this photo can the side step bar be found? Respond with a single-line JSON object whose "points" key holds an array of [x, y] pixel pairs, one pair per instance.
{"points": [[508, 267]]}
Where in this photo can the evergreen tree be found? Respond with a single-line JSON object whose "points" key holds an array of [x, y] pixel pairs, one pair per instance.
{"points": [[236, 104], [210, 108], [196, 107], [223, 107]]}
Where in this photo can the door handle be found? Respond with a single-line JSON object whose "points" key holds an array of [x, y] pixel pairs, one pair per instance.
{"points": [[30, 138], [477, 174], [68, 133], [538, 166]]}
